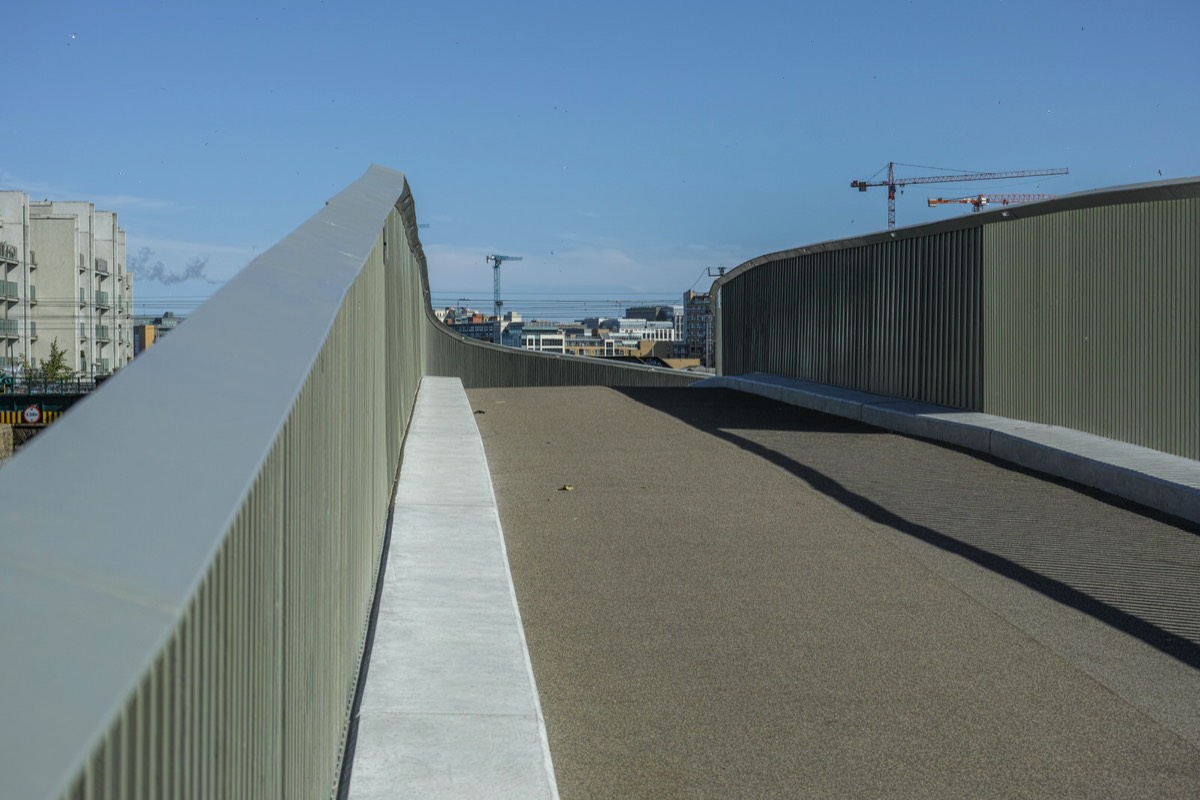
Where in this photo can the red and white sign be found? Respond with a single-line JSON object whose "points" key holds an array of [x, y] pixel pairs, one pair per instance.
{"points": [[33, 415]]}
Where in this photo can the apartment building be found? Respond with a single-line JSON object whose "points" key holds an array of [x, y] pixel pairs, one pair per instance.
{"points": [[63, 279]]}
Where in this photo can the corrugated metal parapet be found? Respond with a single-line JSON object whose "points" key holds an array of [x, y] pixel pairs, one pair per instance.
{"points": [[1081, 311], [1093, 321], [896, 316], [188, 557]]}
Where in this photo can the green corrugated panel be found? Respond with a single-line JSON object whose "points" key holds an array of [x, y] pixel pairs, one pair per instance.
{"points": [[894, 317], [1092, 321]]}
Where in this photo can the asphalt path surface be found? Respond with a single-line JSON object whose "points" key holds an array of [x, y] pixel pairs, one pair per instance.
{"points": [[725, 596]]}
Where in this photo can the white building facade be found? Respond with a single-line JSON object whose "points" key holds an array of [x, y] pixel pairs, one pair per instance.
{"points": [[64, 281]]}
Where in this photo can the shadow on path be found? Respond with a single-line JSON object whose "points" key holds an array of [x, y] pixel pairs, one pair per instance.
{"points": [[1135, 571]]}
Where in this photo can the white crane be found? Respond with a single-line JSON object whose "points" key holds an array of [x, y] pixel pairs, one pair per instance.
{"points": [[495, 261]]}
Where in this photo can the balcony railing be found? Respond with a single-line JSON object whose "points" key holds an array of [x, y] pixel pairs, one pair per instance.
{"points": [[8, 290], [102, 265], [103, 333], [8, 252], [83, 331], [9, 328], [32, 295], [101, 299], [33, 334], [82, 296]]}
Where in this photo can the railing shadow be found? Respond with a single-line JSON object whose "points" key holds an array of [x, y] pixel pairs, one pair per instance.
{"points": [[1116, 562]]}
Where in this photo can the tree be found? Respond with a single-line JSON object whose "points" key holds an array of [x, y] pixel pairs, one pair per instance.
{"points": [[54, 367]]}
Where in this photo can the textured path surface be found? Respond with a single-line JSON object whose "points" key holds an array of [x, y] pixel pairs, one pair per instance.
{"points": [[744, 599]]}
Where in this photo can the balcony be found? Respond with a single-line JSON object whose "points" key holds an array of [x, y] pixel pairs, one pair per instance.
{"points": [[9, 328], [83, 332], [9, 291], [101, 299], [82, 263], [32, 295], [719, 592], [102, 265], [33, 334], [32, 260], [103, 333], [82, 297], [8, 253]]}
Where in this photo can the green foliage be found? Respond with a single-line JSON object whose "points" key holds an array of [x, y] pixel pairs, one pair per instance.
{"points": [[54, 367]]}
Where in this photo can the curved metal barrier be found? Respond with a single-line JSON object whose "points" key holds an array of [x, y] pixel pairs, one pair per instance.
{"points": [[188, 556], [1079, 311]]}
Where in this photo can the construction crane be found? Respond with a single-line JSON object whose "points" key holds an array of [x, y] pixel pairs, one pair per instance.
{"points": [[892, 181], [979, 201], [495, 261]]}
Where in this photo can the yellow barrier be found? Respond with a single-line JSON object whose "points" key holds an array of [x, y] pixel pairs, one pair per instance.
{"points": [[18, 417]]}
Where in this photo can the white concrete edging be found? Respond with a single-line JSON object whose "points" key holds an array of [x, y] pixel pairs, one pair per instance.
{"points": [[450, 708]]}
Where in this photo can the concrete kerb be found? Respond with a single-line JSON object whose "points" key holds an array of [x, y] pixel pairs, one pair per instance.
{"points": [[450, 708], [1154, 479]]}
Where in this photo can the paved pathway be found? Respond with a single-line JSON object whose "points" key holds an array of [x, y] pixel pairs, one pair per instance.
{"points": [[739, 598]]}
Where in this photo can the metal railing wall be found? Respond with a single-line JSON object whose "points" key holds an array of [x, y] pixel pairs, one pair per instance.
{"points": [[897, 316], [481, 364], [1083, 311], [188, 557], [1094, 321]]}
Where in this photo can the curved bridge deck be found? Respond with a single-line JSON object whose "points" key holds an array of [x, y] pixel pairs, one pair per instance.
{"points": [[739, 598]]}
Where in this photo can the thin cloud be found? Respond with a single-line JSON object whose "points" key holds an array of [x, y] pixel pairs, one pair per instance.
{"points": [[133, 202], [144, 266], [104, 202], [221, 261]]}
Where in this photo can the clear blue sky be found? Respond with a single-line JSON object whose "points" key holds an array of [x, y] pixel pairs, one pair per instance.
{"points": [[622, 148]]}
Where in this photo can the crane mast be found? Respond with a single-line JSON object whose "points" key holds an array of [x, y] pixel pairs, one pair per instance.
{"points": [[892, 182], [497, 303]]}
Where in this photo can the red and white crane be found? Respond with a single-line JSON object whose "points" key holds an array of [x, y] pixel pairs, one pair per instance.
{"points": [[892, 181], [980, 200]]}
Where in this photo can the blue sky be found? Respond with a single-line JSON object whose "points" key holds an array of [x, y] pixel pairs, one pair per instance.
{"points": [[621, 148]]}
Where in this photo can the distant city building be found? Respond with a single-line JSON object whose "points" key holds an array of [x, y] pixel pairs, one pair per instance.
{"points": [[149, 329], [144, 337], [63, 279], [544, 341], [653, 336], [698, 327], [483, 331], [650, 313]]}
